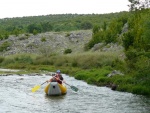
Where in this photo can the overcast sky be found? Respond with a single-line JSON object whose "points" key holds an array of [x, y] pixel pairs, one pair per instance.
{"points": [[20, 8]]}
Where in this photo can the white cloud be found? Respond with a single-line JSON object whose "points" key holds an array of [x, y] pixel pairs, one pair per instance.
{"points": [[19, 8]]}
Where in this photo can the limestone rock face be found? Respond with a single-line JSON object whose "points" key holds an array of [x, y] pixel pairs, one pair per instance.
{"points": [[53, 42]]}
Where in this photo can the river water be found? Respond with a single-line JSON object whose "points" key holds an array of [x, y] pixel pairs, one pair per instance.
{"points": [[16, 97]]}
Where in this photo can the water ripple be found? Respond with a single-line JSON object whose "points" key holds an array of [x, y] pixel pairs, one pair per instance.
{"points": [[16, 97]]}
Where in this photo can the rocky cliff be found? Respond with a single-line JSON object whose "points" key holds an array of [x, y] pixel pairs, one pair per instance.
{"points": [[50, 42], [54, 43]]}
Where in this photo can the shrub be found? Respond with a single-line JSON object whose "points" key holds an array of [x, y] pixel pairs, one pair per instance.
{"points": [[8, 61], [67, 51], [86, 25], [23, 59], [4, 46], [35, 32], [1, 59], [125, 87], [23, 37], [43, 39], [67, 34], [74, 63], [141, 90], [1, 37], [42, 60]]}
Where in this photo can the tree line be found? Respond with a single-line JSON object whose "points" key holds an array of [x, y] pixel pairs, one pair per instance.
{"points": [[61, 22]]}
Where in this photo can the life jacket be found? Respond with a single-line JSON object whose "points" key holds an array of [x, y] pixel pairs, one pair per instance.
{"points": [[60, 79]]}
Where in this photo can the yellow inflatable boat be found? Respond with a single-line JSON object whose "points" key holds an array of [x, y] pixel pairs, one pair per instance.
{"points": [[54, 88]]}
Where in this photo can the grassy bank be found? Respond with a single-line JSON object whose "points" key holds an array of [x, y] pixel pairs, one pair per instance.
{"points": [[90, 67]]}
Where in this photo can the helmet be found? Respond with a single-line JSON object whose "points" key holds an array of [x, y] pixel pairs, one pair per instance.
{"points": [[58, 71]]}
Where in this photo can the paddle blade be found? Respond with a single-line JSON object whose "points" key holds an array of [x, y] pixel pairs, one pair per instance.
{"points": [[74, 88], [35, 88]]}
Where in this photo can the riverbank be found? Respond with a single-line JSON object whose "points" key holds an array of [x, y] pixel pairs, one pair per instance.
{"points": [[92, 67], [96, 76]]}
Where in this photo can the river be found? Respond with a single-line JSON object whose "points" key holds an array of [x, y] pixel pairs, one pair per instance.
{"points": [[16, 97]]}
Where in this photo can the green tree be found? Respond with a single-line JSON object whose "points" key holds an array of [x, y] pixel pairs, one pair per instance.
{"points": [[34, 27], [139, 4], [137, 42], [96, 29], [16, 32], [35, 32], [104, 26], [46, 26], [86, 25]]}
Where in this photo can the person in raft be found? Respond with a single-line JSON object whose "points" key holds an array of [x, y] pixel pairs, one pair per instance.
{"points": [[56, 77]]}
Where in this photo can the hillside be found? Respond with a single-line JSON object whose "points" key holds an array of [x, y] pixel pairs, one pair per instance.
{"points": [[53, 43], [50, 42], [48, 23]]}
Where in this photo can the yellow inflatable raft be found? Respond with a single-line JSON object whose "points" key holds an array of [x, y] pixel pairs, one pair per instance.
{"points": [[54, 88]]}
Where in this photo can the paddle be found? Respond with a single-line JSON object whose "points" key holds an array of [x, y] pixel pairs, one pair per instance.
{"points": [[35, 88], [72, 87]]}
